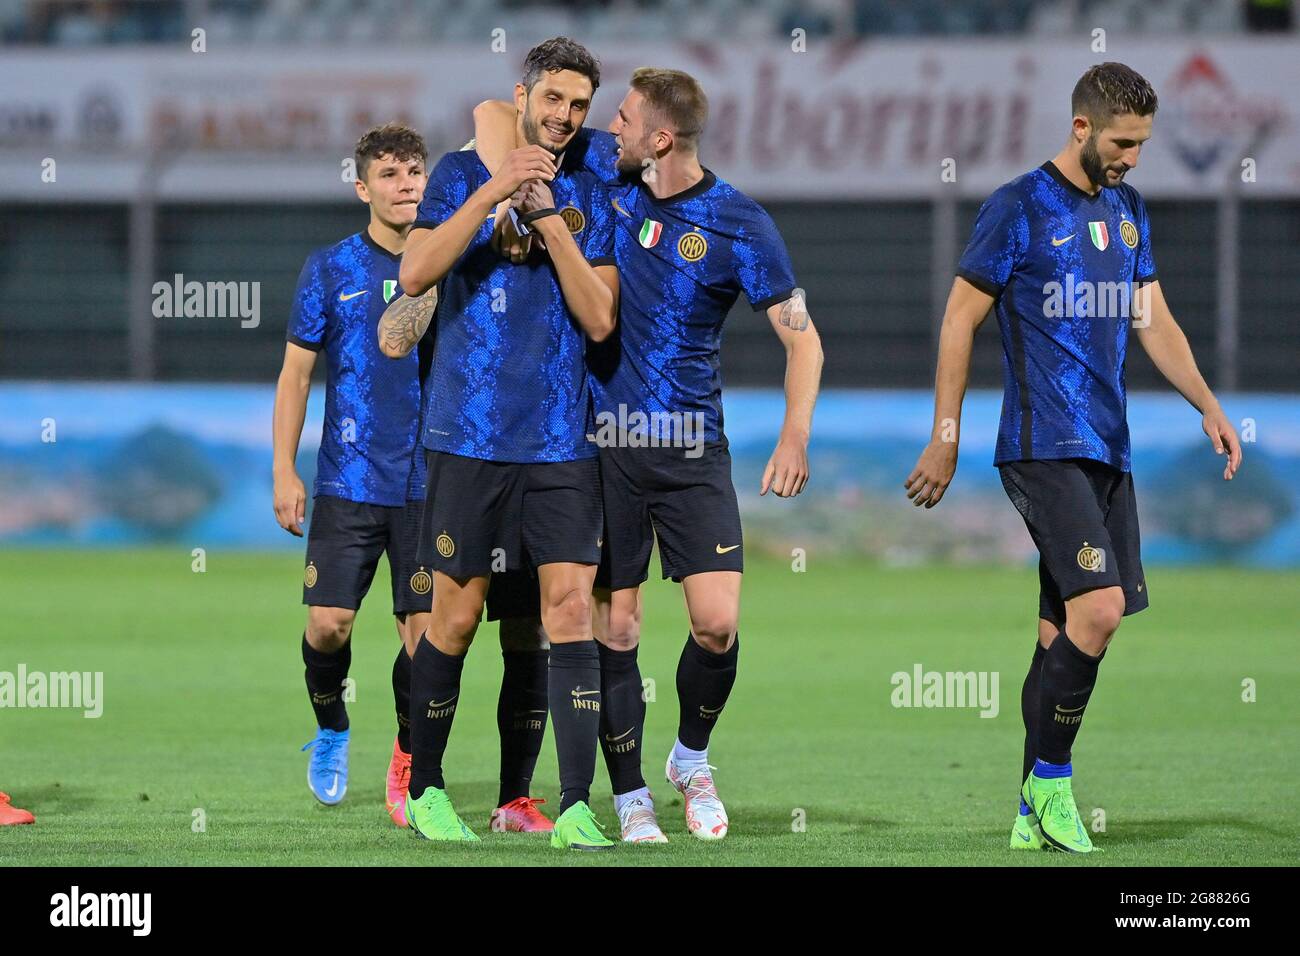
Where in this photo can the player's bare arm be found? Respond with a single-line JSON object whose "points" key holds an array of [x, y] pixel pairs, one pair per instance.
{"points": [[1164, 341], [966, 310], [405, 321], [291, 391], [787, 470], [430, 253], [590, 292], [495, 124], [494, 131]]}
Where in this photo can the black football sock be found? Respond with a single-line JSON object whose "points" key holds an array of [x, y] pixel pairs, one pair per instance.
{"points": [[622, 717], [573, 688], [704, 682], [521, 720], [325, 674], [1030, 693], [402, 697], [435, 690], [1067, 681]]}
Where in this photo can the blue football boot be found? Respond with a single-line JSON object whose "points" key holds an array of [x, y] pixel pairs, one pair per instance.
{"points": [[327, 771]]}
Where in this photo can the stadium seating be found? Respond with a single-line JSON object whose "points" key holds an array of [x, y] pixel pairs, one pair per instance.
{"points": [[308, 22]]}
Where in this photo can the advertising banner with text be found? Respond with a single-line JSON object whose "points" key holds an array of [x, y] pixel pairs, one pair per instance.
{"points": [[902, 119]]}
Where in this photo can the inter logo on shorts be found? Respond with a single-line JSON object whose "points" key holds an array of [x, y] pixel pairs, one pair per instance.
{"points": [[1100, 235], [692, 246], [1091, 559], [446, 547], [573, 218], [1129, 234], [309, 576], [421, 581]]}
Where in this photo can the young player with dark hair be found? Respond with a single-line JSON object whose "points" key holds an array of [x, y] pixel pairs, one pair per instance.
{"points": [[369, 490]]}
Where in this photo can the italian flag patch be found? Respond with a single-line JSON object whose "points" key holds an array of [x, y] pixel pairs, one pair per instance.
{"points": [[1100, 237], [650, 232]]}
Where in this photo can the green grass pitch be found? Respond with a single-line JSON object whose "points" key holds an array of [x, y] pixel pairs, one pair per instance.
{"points": [[204, 709]]}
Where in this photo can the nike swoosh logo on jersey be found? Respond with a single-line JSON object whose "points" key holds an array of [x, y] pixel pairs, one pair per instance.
{"points": [[344, 296], [615, 203], [1061, 242], [722, 550]]}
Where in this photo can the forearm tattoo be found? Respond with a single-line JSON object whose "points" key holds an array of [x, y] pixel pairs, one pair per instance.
{"points": [[406, 320]]}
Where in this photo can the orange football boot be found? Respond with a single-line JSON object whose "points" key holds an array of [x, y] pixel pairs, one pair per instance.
{"points": [[521, 816], [398, 782], [12, 816]]}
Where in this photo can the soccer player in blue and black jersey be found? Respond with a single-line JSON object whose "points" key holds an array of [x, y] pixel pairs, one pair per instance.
{"points": [[369, 482], [369, 488], [688, 244], [1063, 255], [513, 483]]}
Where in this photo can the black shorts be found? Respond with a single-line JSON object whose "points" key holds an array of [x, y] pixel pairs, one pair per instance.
{"points": [[688, 503], [1082, 515], [344, 543], [513, 594], [483, 516]]}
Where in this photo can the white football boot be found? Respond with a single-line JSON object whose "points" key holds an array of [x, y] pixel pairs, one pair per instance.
{"points": [[706, 818], [638, 822]]}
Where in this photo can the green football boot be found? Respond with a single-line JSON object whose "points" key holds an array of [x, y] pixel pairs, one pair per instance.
{"points": [[433, 818], [1027, 834], [577, 829], [1052, 802]]}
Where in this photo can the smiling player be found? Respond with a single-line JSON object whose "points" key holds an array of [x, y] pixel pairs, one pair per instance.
{"points": [[510, 472], [687, 245]]}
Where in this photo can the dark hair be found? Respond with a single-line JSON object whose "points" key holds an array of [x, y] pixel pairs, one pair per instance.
{"points": [[560, 53], [393, 139], [676, 98], [1109, 89]]}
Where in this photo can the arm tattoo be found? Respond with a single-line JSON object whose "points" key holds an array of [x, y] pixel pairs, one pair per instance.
{"points": [[405, 321], [794, 313]]}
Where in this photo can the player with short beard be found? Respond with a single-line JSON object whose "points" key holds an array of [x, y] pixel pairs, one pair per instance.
{"points": [[687, 244], [1063, 442], [510, 472]]}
